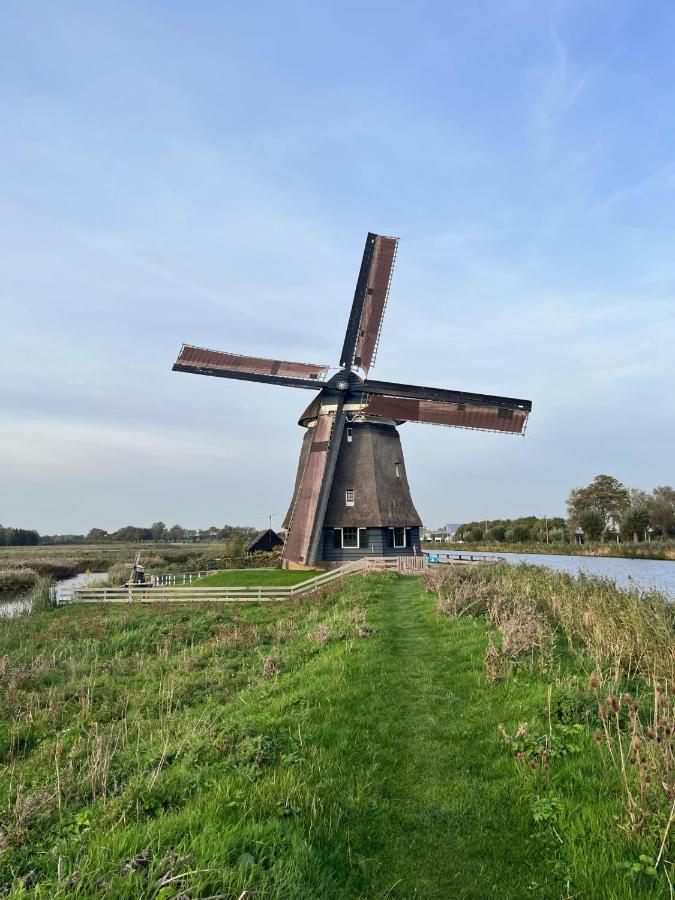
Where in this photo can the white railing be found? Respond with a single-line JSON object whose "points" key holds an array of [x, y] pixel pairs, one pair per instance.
{"points": [[179, 577], [165, 593]]}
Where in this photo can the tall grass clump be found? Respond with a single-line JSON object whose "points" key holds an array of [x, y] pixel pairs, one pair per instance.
{"points": [[623, 640], [118, 574], [40, 595], [624, 633]]}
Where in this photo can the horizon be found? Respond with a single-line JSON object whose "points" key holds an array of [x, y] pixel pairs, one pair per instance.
{"points": [[196, 177]]}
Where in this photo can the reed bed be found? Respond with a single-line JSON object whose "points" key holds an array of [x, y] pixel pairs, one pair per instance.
{"points": [[617, 643]]}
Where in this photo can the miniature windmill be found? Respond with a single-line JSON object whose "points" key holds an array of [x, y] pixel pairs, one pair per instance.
{"points": [[351, 494]]}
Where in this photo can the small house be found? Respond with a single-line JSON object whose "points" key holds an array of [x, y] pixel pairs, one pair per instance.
{"points": [[263, 542]]}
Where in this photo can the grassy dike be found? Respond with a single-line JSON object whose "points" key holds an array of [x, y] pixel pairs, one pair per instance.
{"points": [[343, 746]]}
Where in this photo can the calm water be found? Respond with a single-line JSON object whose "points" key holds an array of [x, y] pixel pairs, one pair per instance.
{"points": [[17, 605], [642, 573]]}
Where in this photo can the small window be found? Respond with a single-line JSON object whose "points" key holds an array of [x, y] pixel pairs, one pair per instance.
{"points": [[349, 435], [350, 537], [349, 497], [397, 469], [399, 537]]}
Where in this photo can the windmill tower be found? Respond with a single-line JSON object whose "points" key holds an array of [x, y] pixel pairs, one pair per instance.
{"points": [[351, 495]]}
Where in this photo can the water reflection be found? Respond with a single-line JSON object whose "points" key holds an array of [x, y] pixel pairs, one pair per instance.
{"points": [[15, 605], [645, 574]]}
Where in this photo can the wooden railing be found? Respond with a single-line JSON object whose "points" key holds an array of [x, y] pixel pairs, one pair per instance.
{"points": [[404, 565], [178, 577]]}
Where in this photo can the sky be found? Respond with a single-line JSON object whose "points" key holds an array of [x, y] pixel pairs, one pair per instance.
{"points": [[207, 172]]}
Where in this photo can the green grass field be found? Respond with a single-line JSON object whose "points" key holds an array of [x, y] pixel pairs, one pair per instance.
{"points": [[256, 577], [346, 746]]}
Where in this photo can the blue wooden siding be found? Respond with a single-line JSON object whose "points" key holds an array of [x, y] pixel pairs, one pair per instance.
{"points": [[377, 544]]}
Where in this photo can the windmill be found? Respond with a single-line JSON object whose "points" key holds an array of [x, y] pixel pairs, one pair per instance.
{"points": [[351, 494]]}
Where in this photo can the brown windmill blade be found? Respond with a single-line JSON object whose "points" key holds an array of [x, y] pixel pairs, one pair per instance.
{"points": [[370, 300], [201, 361], [482, 417], [351, 495], [306, 517]]}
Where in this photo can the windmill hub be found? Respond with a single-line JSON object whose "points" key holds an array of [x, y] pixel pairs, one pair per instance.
{"points": [[351, 494]]}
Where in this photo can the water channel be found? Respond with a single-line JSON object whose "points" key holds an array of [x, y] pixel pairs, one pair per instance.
{"points": [[645, 574]]}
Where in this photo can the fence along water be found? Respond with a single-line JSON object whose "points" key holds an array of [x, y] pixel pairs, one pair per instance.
{"points": [[166, 593]]}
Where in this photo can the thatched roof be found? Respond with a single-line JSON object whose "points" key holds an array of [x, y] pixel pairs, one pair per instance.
{"points": [[367, 465]]}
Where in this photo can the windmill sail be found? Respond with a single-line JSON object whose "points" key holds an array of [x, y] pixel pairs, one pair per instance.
{"points": [[370, 299], [306, 519], [480, 416], [249, 368]]}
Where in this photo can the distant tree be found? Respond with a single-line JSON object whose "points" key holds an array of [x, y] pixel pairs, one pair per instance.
{"points": [[556, 535], [638, 497], [592, 522], [131, 534], [176, 533], [661, 505], [158, 531], [96, 534], [496, 533], [19, 537], [518, 533], [635, 522], [476, 534], [605, 494]]}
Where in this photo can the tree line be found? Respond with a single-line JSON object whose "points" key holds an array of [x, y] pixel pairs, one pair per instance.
{"points": [[18, 537], [603, 510], [157, 532]]}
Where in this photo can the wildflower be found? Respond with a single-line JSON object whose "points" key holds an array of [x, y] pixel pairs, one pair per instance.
{"points": [[616, 704], [602, 711], [597, 735], [659, 687], [636, 743], [651, 734], [628, 698], [595, 682]]}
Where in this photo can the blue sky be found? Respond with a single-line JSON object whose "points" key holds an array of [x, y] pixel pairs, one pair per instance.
{"points": [[207, 173]]}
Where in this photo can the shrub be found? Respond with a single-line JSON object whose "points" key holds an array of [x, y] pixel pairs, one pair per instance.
{"points": [[519, 534]]}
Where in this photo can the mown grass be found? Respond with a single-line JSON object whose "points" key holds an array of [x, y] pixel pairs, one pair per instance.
{"points": [[255, 577], [343, 746]]}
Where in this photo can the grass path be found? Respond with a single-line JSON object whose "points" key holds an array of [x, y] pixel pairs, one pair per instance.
{"points": [[440, 816]]}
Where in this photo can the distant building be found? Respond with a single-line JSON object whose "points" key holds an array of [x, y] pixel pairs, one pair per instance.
{"points": [[444, 535], [263, 542]]}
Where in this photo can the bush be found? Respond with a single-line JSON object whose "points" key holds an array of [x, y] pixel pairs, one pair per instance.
{"points": [[519, 534]]}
